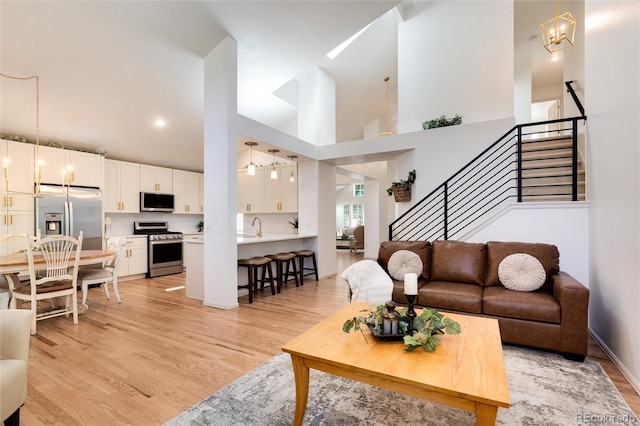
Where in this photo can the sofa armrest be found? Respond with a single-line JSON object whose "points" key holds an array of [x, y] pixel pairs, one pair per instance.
{"points": [[573, 298]]}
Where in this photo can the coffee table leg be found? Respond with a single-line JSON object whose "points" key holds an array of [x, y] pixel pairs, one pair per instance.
{"points": [[301, 374], [486, 414]]}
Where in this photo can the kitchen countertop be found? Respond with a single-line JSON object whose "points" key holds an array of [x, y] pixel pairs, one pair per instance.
{"points": [[254, 239]]}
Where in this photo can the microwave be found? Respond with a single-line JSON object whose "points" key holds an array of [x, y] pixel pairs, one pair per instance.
{"points": [[154, 202]]}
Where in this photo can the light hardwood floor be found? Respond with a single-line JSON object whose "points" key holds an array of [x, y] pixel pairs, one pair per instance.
{"points": [[158, 353]]}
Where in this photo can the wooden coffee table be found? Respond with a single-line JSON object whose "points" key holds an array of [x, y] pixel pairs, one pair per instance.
{"points": [[465, 371]]}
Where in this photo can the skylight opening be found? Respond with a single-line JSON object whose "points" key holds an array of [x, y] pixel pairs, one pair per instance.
{"points": [[335, 52]]}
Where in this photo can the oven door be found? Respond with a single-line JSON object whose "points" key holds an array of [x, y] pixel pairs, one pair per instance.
{"points": [[165, 257]]}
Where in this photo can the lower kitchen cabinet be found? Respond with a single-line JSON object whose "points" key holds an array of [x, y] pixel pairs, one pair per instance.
{"points": [[135, 257]]}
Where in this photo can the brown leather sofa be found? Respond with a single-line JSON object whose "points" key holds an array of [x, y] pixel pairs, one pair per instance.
{"points": [[463, 277]]}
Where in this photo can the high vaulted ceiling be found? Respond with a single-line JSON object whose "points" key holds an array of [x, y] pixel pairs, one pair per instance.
{"points": [[108, 69]]}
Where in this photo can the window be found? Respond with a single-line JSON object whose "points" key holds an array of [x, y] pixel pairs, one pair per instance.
{"points": [[353, 215], [358, 190]]}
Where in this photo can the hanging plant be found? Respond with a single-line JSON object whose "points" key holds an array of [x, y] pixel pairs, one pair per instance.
{"points": [[401, 190]]}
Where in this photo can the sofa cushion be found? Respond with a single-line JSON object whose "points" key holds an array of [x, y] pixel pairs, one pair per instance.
{"points": [[534, 306], [421, 248], [521, 272], [457, 261], [452, 296], [404, 262], [547, 254]]}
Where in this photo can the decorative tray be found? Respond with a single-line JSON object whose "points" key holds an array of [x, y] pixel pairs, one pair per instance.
{"points": [[384, 337]]}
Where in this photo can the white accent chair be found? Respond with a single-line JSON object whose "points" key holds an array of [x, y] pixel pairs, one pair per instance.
{"points": [[56, 278], [108, 274], [15, 325]]}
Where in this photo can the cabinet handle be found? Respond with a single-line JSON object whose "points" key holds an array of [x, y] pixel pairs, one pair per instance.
{"points": [[4, 201], [73, 176], [122, 206], [4, 219], [10, 219], [10, 201]]}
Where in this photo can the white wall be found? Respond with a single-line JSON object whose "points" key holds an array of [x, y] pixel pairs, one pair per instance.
{"points": [[565, 225], [455, 57], [317, 109], [612, 66]]}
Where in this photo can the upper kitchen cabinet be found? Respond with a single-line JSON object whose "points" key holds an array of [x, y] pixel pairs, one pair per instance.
{"points": [[121, 188], [18, 175], [281, 193], [83, 168], [201, 194], [251, 196], [186, 189], [156, 179]]}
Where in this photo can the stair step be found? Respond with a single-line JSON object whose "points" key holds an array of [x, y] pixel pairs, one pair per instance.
{"points": [[555, 189], [546, 162], [537, 144], [547, 154], [551, 180], [548, 198]]}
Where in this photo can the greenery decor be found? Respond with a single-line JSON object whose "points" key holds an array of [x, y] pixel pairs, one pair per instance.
{"points": [[442, 121], [200, 226], [403, 184], [294, 223], [427, 326]]}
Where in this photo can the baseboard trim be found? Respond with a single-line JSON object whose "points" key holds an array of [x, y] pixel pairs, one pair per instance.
{"points": [[632, 381]]}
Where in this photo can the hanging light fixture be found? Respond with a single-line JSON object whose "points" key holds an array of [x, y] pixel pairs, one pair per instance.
{"points": [[274, 171], [37, 163], [292, 177], [387, 132], [558, 32], [251, 168]]}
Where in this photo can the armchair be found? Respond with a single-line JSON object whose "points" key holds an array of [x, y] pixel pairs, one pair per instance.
{"points": [[15, 328]]}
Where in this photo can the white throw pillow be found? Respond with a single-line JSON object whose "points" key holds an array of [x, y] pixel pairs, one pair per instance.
{"points": [[521, 272], [402, 262]]}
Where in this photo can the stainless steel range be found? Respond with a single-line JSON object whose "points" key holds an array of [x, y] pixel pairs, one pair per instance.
{"points": [[164, 248]]}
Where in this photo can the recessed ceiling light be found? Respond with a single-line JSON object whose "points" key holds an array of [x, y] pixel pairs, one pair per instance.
{"points": [[160, 122]]}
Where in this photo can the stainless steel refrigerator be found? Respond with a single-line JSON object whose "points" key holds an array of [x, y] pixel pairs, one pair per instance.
{"points": [[69, 210]]}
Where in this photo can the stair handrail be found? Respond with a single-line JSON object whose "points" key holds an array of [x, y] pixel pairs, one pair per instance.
{"points": [[518, 130], [573, 94]]}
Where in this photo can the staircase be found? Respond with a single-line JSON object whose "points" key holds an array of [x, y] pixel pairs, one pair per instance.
{"points": [[547, 173], [526, 164]]}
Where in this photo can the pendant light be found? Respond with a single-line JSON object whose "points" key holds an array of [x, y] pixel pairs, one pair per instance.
{"points": [[292, 177], [558, 32], [274, 171], [37, 163], [387, 120], [251, 168]]}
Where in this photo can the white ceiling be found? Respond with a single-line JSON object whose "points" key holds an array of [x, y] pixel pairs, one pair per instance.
{"points": [[109, 69]]}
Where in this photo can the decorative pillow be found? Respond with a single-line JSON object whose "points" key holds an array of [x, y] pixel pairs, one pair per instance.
{"points": [[402, 262], [521, 272]]}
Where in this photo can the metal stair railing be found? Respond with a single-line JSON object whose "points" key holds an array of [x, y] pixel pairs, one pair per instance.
{"points": [[494, 179]]}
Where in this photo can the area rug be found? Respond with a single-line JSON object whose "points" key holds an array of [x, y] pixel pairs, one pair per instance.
{"points": [[545, 389]]}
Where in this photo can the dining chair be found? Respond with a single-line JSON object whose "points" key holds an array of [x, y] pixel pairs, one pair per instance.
{"points": [[54, 276], [108, 273], [13, 244]]}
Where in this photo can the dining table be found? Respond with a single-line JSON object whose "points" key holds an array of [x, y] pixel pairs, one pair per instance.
{"points": [[12, 265]]}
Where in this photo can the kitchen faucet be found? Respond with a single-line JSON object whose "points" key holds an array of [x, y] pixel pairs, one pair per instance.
{"points": [[253, 223]]}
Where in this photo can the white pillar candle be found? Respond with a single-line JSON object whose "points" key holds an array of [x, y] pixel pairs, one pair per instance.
{"points": [[410, 283]]}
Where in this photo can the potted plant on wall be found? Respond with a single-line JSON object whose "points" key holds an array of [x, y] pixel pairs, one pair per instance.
{"points": [[401, 190], [294, 224]]}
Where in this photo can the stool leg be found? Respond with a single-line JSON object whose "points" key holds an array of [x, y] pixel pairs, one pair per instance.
{"points": [[250, 283], [295, 271], [315, 266], [301, 268], [273, 290]]}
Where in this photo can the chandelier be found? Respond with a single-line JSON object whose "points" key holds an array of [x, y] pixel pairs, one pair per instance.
{"points": [[387, 132], [558, 32], [37, 164]]}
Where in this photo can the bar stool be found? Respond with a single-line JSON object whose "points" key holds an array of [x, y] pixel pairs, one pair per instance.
{"points": [[253, 268], [302, 255], [283, 260]]}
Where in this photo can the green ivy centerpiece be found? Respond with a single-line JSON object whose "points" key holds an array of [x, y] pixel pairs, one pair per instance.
{"points": [[428, 326]]}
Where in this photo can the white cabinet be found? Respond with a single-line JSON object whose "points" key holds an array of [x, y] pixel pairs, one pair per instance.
{"points": [[156, 179], [251, 192], [186, 189], [201, 194], [134, 261], [16, 187], [121, 188], [83, 168], [281, 195]]}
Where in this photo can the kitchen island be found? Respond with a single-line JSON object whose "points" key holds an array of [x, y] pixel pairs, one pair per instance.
{"points": [[249, 245]]}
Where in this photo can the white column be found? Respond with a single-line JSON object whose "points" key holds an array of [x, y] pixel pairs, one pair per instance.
{"points": [[317, 108], [220, 159]]}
